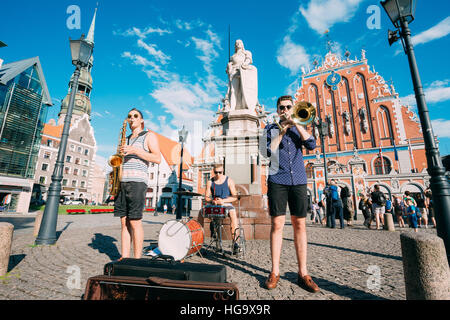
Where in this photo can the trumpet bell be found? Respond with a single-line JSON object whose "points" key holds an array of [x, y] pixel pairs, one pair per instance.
{"points": [[304, 113]]}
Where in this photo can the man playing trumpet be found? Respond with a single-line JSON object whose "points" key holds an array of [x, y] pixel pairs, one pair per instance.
{"points": [[287, 186]]}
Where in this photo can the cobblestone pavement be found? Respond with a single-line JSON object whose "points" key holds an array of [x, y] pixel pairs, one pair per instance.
{"points": [[353, 263]]}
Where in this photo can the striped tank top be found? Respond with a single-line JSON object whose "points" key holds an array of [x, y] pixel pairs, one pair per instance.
{"points": [[134, 169]]}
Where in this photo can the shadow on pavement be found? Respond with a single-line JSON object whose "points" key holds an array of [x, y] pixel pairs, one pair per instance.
{"points": [[105, 244], [14, 260], [376, 254], [340, 290], [19, 222], [237, 264], [58, 233]]}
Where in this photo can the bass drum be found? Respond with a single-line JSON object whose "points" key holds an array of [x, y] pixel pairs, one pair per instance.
{"points": [[179, 239]]}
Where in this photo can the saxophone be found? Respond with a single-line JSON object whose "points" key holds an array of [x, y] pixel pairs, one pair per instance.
{"points": [[116, 161]]}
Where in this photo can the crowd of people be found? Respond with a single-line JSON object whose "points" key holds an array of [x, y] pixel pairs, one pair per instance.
{"points": [[407, 210]]}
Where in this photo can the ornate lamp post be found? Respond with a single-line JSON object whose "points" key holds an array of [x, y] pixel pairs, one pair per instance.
{"points": [[81, 53], [182, 135], [401, 13]]}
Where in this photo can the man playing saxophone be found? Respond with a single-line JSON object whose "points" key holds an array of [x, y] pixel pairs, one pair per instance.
{"points": [[140, 148]]}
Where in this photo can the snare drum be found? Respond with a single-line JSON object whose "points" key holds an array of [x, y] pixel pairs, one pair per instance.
{"points": [[214, 211], [179, 239]]}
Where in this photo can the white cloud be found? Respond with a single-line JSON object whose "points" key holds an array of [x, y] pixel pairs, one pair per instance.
{"points": [[441, 128], [323, 14], [151, 49], [142, 34], [292, 56], [436, 92], [438, 31]]}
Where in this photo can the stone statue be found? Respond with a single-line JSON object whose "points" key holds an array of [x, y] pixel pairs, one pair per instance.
{"points": [[242, 80]]}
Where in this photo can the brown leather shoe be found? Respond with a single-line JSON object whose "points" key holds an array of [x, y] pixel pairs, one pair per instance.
{"points": [[308, 284], [272, 282]]}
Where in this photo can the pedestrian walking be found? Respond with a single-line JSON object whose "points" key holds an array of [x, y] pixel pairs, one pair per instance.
{"points": [[364, 206], [430, 207], [399, 211], [422, 207], [347, 202], [412, 214], [337, 210], [378, 200]]}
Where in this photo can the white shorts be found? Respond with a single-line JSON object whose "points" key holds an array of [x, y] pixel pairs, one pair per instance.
{"points": [[377, 209]]}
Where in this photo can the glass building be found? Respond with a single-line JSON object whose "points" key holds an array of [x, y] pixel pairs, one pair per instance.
{"points": [[24, 99]]}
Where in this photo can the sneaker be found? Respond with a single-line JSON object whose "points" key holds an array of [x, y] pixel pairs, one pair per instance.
{"points": [[153, 253]]}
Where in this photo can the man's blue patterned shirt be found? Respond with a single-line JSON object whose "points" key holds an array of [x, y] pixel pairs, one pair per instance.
{"points": [[286, 163]]}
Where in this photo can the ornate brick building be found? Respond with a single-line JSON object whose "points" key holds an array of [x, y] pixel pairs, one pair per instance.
{"points": [[372, 138]]}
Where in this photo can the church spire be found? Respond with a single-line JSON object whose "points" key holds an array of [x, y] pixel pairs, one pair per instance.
{"points": [[90, 36]]}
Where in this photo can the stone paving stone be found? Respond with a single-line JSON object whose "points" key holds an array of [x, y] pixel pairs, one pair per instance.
{"points": [[341, 262]]}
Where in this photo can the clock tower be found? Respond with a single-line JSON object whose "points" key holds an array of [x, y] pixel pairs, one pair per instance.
{"points": [[82, 98]]}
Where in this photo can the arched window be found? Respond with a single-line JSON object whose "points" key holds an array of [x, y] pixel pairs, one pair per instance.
{"points": [[382, 167], [384, 124]]}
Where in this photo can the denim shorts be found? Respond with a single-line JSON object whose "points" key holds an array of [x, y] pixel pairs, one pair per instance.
{"points": [[280, 196], [130, 201]]}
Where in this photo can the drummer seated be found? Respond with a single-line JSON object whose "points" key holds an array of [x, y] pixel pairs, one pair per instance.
{"points": [[220, 190]]}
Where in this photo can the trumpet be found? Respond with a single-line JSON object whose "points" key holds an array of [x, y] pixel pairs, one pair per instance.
{"points": [[303, 113]]}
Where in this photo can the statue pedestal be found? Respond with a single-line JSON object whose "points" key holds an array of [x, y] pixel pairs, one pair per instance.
{"points": [[238, 150]]}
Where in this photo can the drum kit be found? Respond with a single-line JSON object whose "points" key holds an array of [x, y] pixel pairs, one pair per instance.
{"points": [[184, 238]]}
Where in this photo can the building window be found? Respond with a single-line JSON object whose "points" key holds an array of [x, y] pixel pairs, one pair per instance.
{"points": [[81, 139], [75, 172], [64, 182], [72, 147], [83, 184], [77, 160], [69, 159], [42, 180], [384, 168], [206, 177], [84, 173], [66, 170], [152, 175], [74, 183], [49, 143], [86, 152], [86, 162], [80, 149], [47, 155], [44, 167]]}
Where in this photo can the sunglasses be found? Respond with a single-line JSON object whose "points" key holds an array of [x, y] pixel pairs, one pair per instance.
{"points": [[217, 172], [133, 115], [288, 107]]}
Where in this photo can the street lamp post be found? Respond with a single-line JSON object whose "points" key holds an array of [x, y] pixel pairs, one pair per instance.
{"points": [[182, 135], [401, 13], [81, 52]]}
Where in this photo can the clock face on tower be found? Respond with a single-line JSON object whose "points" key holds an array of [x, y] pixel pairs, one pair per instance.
{"points": [[79, 102], [333, 80]]}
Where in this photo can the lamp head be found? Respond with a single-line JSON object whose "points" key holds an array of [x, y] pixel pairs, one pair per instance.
{"points": [[399, 9], [81, 51]]}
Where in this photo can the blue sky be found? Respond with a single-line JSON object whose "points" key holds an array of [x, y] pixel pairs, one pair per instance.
{"points": [[168, 58]]}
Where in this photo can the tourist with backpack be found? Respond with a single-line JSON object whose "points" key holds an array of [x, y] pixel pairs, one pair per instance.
{"points": [[378, 205], [336, 205]]}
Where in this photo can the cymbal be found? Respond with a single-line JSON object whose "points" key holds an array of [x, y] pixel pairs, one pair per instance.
{"points": [[187, 193]]}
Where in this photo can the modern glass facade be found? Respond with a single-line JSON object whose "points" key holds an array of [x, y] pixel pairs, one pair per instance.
{"points": [[22, 118]]}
